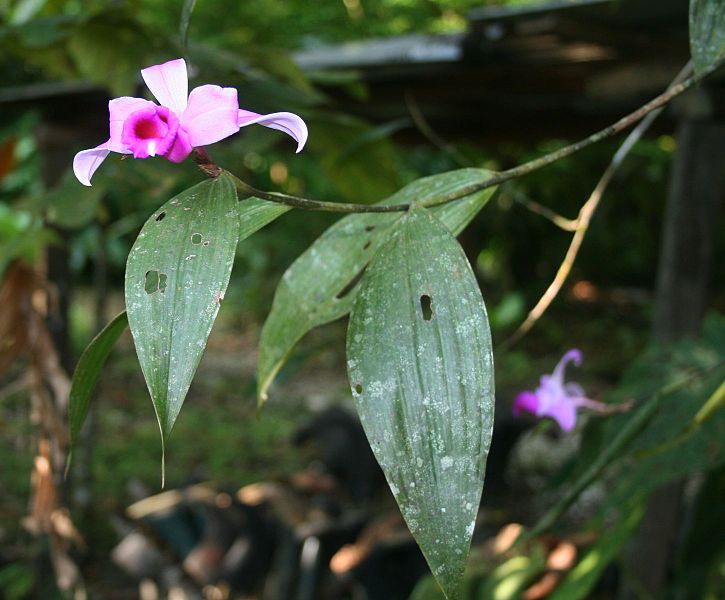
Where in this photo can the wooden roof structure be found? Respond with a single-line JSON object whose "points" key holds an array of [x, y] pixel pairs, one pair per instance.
{"points": [[559, 69]]}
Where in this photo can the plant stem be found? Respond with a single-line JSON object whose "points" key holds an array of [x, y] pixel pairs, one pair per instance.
{"points": [[581, 223], [308, 204], [497, 179]]}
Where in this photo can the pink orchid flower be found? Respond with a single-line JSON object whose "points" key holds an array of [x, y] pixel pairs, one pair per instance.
{"points": [[179, 123], [558, 400]]}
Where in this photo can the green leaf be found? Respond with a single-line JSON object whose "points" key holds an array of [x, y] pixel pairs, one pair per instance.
{"points": [[580, 581], [176, 276], [70, 205], [707, 32], [510, 579], [255, 214], [186, 12], [420, 366], [320, 286], [108, 50], [87, 370]]}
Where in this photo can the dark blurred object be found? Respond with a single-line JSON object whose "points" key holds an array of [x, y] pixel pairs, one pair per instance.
{"points": [[214, 536], [338, 444], [311, 536], [384, 561]]}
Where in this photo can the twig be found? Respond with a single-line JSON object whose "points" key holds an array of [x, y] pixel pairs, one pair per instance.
{"points": [[308, 204], [544, 211], [430, 134], [581, 224], [203, 160], [499, 178]]}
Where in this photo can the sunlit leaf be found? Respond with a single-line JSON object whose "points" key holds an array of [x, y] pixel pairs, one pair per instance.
{"points": [[421, 371], [707, 32], [510, 579], [87, 370], [176, 277], [579, 582], [320, 286]]}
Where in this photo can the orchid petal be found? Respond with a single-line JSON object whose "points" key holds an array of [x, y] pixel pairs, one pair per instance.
{"points": [[574, 356], [211, 114], [287, 122], [169, 83], [564, 413], [525, 402], [119, 110], [86, 162], [181, 147]]}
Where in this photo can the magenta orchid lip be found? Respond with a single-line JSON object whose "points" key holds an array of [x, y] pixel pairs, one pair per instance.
{"points": [[180, 122]]}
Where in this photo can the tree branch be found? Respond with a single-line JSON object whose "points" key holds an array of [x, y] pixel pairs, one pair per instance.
{"points": [[524, 169], [586, 213]]}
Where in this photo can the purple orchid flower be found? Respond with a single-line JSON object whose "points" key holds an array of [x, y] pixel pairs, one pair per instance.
{"points": [[558, 400], [179, 123]]}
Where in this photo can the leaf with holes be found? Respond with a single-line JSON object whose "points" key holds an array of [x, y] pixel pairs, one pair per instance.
{"points": [[420, 365], [707, 32], [321, 284], [176, 276], [86, 373]]}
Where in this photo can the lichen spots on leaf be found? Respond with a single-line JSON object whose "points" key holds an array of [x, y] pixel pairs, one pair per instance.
{"points": [[154, 282]]}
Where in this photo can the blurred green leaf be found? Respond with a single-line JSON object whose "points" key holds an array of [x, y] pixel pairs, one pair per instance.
{"points": [[420, 366], [22, 235], [176, 276], [71, 205], [509, 580], [579, 582], [321, 284], [707, 32], [699, 571], [348, 160], [110, 51], [186, 11], [86, 373], [17, 581]]}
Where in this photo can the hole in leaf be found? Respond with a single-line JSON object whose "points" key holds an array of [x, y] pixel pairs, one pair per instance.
{"points": [[154, 282], [358, 389], [196, 238], [367, 245], [161, 216], [351, 284], [369, 228], [206, 243], [426, 307]]}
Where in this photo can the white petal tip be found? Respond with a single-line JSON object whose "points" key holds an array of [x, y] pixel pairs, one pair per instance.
{"points": [[86, 162]]}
